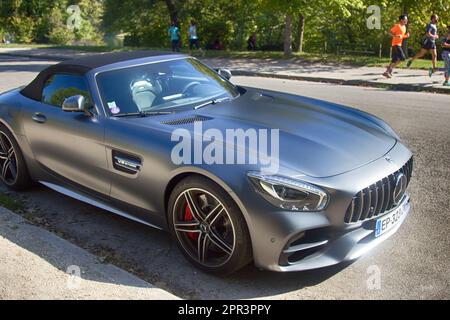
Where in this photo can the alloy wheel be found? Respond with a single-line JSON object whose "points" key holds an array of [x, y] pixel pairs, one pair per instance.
{"points": [[204, 227], [8, 160]]}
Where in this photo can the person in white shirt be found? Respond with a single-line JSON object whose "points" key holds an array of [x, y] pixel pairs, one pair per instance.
{"points": [[193, 38]]}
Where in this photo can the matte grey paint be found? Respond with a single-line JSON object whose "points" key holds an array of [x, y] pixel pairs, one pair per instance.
{"points": [[338, 148]]}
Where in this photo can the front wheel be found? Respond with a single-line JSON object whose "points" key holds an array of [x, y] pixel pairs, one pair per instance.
{"points": [[14, 172], [208, 226]]}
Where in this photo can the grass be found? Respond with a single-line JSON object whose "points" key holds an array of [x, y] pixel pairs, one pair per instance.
{"points": [[10, 203], [25, 45], [353, 60]]}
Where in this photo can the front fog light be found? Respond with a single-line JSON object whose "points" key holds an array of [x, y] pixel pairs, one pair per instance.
{"points": [[289, 194]]}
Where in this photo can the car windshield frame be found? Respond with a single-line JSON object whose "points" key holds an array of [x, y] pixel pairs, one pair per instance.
{"points": [[231, 92]]}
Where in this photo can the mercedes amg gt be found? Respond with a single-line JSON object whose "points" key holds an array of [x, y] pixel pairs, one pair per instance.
{"points": [[102, 130]]}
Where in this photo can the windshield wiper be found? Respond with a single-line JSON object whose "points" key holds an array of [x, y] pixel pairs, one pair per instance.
{"points": [[143, 114], [213, 101]]}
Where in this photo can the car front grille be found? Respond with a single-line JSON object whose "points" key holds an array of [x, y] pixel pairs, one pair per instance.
{"points": [[378, 198]]}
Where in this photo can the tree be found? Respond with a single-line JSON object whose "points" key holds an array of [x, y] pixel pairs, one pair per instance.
{"points": [[288, 35], [172, 7], [300, 33], [278, 24]]}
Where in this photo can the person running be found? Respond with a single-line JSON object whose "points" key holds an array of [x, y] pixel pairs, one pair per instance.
{"points": [[398, 33], [429, 44], [193, 38], [446, 56], [174, 33]]}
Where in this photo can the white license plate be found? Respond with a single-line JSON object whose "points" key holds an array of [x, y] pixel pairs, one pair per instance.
{"points": [[390, 220]]}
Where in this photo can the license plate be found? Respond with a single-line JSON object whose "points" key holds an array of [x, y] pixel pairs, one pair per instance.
{"points": [[390, 220]]}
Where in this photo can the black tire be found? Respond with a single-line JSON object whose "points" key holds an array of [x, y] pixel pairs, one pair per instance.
{"points": [[215, 238], [22, 179]]}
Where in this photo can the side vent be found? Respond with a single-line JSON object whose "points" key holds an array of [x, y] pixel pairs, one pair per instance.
{"points": [[181, 121]]}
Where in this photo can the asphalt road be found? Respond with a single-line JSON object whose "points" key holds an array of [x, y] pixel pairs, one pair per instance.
{"points": [[414, 263]]}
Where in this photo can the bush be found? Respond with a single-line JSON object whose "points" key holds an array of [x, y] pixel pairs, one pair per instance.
{"points": [[22, 27], [60, 35]]}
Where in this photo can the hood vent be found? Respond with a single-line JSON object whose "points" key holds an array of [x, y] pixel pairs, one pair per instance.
{"points": [[181, 121]]}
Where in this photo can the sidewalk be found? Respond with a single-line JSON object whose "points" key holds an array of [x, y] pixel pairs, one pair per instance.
{"points": [[34, 262], [404, 79]]}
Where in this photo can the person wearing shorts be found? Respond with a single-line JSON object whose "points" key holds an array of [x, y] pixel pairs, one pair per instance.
{"points": [[398, 33], [429, 44], [193, 38], [446, 56]]}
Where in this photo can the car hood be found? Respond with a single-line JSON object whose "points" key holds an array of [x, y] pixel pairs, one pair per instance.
{"points": [[317, 138]]}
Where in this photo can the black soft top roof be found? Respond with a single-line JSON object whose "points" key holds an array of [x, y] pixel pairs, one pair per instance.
{"points": [[81, 66]]}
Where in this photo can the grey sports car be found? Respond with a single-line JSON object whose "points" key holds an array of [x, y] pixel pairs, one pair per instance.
{"points": [[171, 143]]}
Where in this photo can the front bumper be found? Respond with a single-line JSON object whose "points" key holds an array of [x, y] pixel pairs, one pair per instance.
{"points": [[294, 241], [330, 248]]}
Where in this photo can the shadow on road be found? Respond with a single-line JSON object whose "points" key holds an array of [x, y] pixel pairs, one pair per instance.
{"points": [[11, 64], [56, 252], [149, 253]]}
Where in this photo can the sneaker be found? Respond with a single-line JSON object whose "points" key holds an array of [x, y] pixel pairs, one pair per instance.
{"points": [[408, 64], [387, 75], [430, 72], [446, 84]]}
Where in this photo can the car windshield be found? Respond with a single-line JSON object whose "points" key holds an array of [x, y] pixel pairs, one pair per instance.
{"points": [[163, 86]]}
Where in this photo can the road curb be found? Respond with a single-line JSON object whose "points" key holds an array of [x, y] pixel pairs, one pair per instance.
{"points": [[37, 264], [238, 72], [358, 83]]}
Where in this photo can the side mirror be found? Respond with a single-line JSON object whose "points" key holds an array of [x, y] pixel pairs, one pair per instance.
{"points": [[75, 104], [224, 73]]}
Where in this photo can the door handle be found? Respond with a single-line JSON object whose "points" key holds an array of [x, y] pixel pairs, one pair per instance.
{"points": [[39, 117]]}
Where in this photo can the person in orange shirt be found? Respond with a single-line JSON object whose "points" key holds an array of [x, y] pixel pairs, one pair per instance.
{"points": [[398, 33]]}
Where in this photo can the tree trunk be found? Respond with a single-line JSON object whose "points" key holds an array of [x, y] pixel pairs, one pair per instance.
{"points": [[300, 34], [288, 36], [173, 11]]}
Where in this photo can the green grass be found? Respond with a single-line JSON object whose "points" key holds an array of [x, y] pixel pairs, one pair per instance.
{"points": [[354, 60], [10, 203], [29, 45]]}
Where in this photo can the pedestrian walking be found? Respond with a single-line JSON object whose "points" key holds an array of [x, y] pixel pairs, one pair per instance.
{"points": [[193, 38], [174, 33], [446, 56], [398, 33], [429, 44], [251, 42]]}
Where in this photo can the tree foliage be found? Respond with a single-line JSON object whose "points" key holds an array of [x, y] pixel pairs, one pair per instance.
{"points": [[278, 24], [45, 20]]}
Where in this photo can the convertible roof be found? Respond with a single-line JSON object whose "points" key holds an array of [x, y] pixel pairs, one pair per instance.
{"points": [[81, 66], [100, 60]]}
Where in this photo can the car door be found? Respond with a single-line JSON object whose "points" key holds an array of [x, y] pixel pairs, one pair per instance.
{"points": [[69, 145]]}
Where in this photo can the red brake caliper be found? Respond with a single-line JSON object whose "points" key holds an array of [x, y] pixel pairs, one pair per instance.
{"points": [[188, 217]]}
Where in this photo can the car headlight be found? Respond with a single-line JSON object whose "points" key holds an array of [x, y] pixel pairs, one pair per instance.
{"points": [[289, 194]]}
